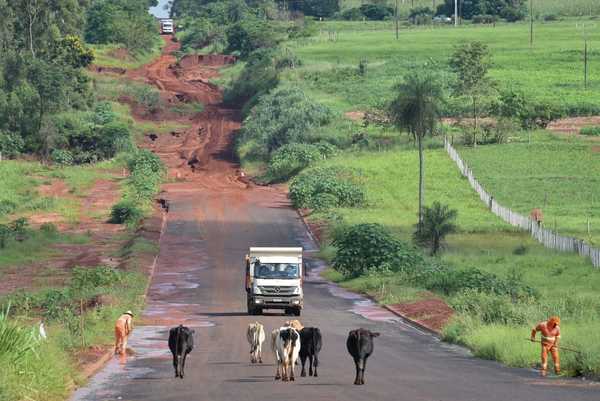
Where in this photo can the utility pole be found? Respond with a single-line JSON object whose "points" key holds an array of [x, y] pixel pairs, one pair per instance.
{"points": [[396, 17], [455, 12], [531, 23], [583, 27]]}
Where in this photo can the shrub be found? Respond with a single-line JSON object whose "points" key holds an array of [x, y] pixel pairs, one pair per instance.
{"points": [[450, 281], [5, 234], [282, 117], [114, 137], [551, 17], [590, 131], [512, 13], [62, 157], [420, 15], [306, 188], [125, 212], [259, 76], [539, 115], [353, 14], [376, 12], [104, 114], [489, 308], [86, 278], [290, 159], [147, 96], [250, 34], [49, 229], [363, 247], [146, 173], [11, 144], [7, 207]]}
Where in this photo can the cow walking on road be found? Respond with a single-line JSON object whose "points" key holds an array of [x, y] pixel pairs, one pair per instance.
{"points": [[310, 346], [256, 337], [360, 346], [285, 343], [181, 343]]}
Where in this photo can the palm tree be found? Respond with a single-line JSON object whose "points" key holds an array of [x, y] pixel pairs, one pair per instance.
{"points": [[417, 109], [438, 221]]}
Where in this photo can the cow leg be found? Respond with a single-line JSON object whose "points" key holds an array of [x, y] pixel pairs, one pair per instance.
{"points": [[259, 354], [175, 365], [291, 365], [278, 375], [183, 364], [357, 365], [303, 360], [310, 365], [362, 371], [316, 364]]}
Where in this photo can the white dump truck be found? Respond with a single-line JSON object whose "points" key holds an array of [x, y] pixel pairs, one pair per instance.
{"points": [[274, 280], [166, 26]]}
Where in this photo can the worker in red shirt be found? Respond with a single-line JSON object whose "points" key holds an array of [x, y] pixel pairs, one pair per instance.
{"points": [[123, 327], [550, 331]]}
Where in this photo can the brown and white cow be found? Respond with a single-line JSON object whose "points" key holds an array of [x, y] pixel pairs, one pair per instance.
{"points": [[256, 337], [294, 324], [285, 343]]}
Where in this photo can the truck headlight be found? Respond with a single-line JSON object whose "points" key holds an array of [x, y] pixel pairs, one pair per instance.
{"points": [[297, 291], [256, 290]]}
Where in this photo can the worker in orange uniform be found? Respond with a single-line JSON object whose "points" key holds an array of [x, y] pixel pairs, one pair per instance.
{"points": [[123, 327], [550, 331]]}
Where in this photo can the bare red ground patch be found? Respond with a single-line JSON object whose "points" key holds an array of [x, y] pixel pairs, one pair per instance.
{"points": [[355, 115], [431, 312], [573, 125]]}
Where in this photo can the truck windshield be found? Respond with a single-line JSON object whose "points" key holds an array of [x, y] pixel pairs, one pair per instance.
{"points": [[277, 270]]}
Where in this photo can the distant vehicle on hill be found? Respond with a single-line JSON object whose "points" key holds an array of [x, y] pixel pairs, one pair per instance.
{"points": [[166, 26]]}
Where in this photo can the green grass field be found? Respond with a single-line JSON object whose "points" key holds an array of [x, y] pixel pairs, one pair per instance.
{"points": [[542, 7], [559, 176], [483, 241], [552, 71]]}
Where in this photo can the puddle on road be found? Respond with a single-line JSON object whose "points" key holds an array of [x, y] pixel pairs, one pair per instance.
{"points": [[362, 306], [147, 342]]}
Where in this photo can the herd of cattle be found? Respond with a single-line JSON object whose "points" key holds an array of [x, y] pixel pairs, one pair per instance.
{"points": [[287, 343]]}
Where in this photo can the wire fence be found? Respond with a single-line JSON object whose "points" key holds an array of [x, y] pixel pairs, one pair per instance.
{"points": [[546, 237]]}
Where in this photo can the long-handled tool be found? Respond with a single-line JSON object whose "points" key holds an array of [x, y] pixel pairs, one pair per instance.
{"points": [[561, 347]]}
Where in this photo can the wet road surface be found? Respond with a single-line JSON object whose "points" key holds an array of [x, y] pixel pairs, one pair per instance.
{"points": [[199, 281]]}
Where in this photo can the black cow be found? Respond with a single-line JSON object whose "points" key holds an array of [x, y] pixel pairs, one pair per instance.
{"points": [[360, 346], [310, 346], [181, 343]]}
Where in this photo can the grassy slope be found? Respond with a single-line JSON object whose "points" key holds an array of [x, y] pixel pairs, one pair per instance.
{"points": [[561, 177], [106, 56], [51, 377], [390, 177], [551, 71]]}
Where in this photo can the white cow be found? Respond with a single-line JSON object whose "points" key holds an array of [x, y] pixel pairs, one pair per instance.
{"points": [[256, 337], [285, 343]]}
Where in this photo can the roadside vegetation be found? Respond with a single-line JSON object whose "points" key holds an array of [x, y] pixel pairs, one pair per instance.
{"points": [[67, 133], [352, 158]]}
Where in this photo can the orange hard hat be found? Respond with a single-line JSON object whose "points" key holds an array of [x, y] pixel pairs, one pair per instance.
{"points": [[554, 320]]}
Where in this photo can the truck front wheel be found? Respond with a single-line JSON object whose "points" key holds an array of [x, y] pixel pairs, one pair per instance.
{"points": [[297, 312]]}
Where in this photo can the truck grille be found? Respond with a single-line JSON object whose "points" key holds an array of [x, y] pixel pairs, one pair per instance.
{"points": [[275, 290]]}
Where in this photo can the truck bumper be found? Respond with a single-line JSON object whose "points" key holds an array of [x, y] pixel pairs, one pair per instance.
{"points": [[277, 303]]}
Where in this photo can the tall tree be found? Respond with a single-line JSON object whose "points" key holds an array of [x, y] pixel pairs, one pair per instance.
{"points": [[471, 63], [417, 109]]}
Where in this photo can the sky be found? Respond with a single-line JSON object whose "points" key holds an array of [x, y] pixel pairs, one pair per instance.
{"points": [[160, 10]]}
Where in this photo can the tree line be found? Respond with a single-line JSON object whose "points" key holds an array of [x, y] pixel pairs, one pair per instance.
{"points": [[46, 101]]}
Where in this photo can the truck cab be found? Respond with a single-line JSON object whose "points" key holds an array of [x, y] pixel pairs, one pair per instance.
{"points": [[167, 27], [274, 280]]}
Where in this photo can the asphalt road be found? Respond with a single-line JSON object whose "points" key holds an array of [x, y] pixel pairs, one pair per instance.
{"points": [[199, 281]]}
